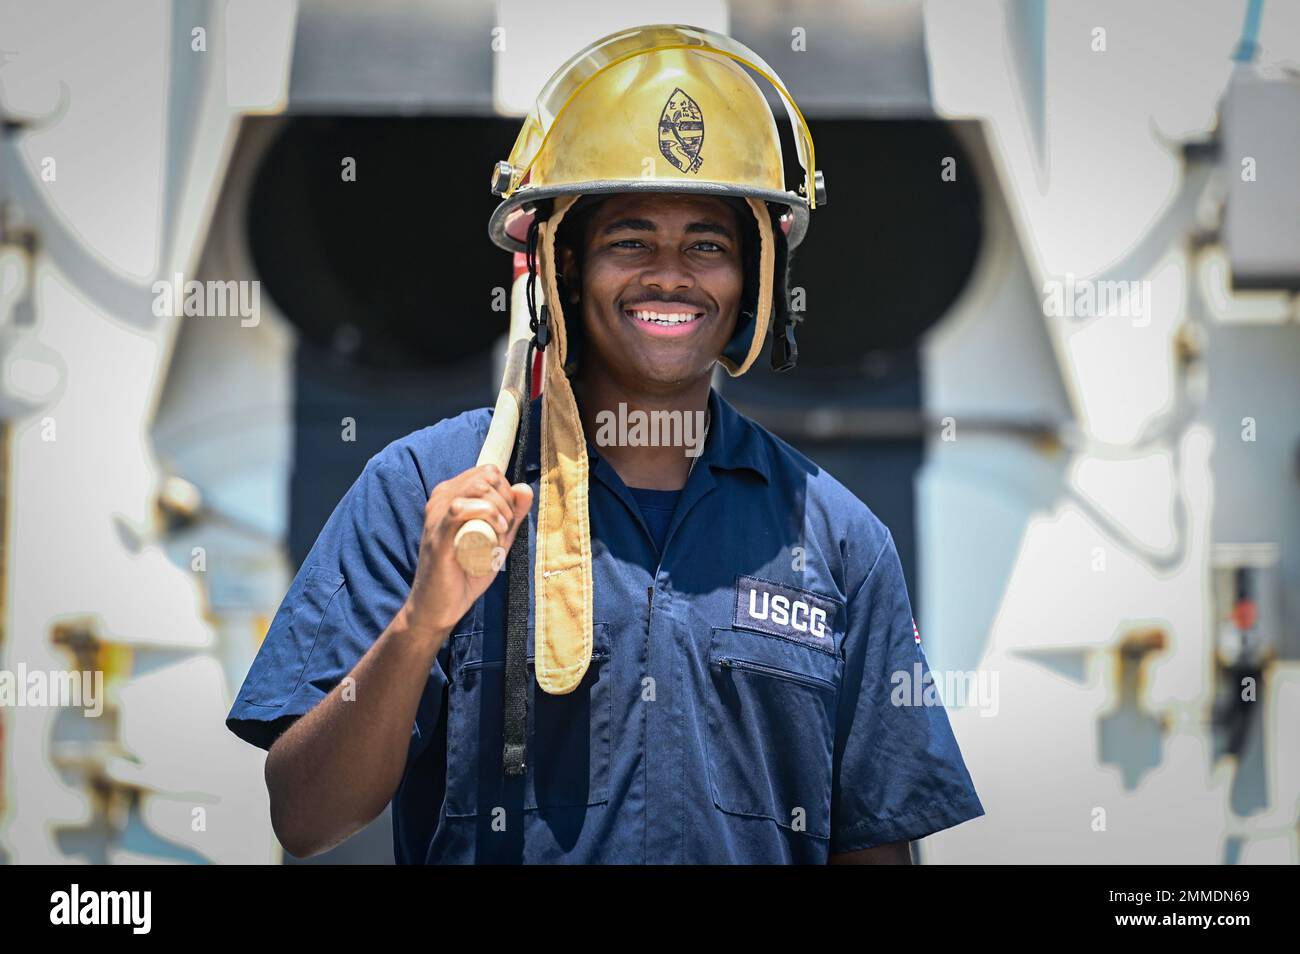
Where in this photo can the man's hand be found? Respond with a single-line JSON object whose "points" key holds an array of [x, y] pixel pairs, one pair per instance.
{"points": [[442, 591], [336, 768]]}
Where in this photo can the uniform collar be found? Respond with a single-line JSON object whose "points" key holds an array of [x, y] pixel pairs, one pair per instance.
{"points": [[733, 442]]}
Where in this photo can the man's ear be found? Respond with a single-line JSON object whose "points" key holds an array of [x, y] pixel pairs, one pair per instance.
{"points": [[570, 271]]}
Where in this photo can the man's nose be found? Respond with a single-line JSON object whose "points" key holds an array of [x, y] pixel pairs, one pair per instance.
{"points": [[669, 271]]}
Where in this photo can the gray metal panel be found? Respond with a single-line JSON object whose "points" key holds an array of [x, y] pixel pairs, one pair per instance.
{"points": [[861, 59], [412, 56], [1252, 373], [393, 56], [1261, 120]]}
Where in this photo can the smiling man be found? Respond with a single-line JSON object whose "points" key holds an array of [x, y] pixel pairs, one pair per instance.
{"points": [[660, 279], [692, 656]]}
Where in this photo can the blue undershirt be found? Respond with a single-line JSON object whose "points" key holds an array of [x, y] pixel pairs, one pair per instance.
{"points": [[657, 508]]}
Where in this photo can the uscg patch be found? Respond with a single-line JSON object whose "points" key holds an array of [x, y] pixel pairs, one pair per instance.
{"points": [[778, 610]]}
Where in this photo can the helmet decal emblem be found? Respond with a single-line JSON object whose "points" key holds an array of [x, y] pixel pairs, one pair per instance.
{"points": [[681, 132]]}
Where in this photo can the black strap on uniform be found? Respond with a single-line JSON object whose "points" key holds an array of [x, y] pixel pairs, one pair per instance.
{"points": [[514, 756]]}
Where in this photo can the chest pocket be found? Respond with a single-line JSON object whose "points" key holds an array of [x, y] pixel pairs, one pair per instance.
{"points": [[568, 736], [772, 729]]}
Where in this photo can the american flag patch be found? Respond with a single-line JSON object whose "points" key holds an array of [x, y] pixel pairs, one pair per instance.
{"points": [[916, 632]]}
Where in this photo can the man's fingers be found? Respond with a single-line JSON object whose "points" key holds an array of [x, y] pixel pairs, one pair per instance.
{"points": [[487, 481], [523, 497], [523, 500], [463, 509], [497, 477], [502, 500], [482, 493], [492, 475]]}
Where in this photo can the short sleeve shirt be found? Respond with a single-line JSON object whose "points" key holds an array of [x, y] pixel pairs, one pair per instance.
{"points": [[740, 705]]}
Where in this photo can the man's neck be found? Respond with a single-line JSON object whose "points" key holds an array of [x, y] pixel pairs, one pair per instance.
{"points": [[646, 449]]}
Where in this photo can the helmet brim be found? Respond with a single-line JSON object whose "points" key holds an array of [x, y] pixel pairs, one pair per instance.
{"points": [[508, 226]]}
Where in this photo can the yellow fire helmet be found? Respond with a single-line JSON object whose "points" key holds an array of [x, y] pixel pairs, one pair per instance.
{"points": [[655, 109], [663, 108]]}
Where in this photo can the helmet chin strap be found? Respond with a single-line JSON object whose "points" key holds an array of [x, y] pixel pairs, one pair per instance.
{"points": [[763, 307], [785, 350]]}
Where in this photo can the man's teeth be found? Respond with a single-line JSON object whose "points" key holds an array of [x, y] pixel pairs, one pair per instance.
{"points": [[659, 319]]}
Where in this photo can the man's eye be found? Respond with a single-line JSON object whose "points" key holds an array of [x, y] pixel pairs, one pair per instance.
{"points": [[713, 246], [627, 243]]}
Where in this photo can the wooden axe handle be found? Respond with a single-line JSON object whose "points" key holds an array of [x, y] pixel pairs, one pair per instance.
{"points": [[476, 541]]}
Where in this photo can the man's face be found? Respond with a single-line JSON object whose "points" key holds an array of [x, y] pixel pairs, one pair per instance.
{"points": [[661, 282]]}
